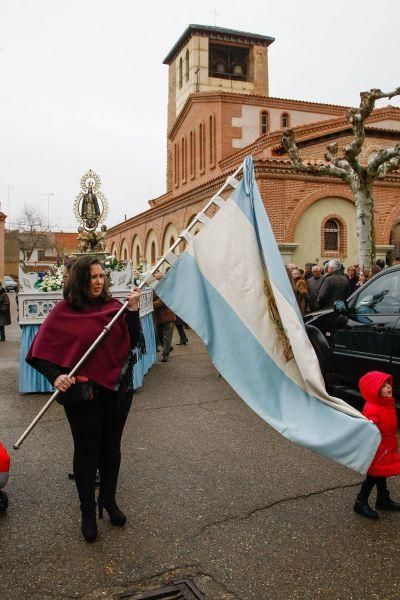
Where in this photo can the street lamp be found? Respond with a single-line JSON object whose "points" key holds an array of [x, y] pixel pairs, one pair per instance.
{"points": [[48, 209]]}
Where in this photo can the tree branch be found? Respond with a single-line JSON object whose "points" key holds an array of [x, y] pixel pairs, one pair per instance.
{"points": [[331, 155], [368, 99], [384, 157], [357, 116], [392, 165], [290, 146]]}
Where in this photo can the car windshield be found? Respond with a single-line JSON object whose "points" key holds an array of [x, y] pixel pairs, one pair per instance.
{"points": [[381, 296]]}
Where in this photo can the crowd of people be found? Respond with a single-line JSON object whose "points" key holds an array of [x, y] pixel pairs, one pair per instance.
{"points": [[318, 287]]}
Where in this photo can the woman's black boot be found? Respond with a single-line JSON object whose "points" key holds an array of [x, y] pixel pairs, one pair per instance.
{"points": [[89, 523], [116, 515]]}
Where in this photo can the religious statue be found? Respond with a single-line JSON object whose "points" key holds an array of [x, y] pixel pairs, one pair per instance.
{"points": [[91, 208], [90, 211]]}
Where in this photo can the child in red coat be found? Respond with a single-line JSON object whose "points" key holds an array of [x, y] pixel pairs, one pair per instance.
{"points": [[376, 389]]}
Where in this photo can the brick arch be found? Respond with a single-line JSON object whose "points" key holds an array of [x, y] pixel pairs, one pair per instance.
{"points": [[393, 218], [135, 244], [123, 247], [151, 236], [170, 230], [329, 191]]}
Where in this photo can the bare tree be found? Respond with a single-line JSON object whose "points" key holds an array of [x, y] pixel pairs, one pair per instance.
{"points": [[347, 166], [32, 232]]}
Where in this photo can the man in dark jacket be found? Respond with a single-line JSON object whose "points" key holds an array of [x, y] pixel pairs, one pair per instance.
{"points": [[313, 284], [334, 287], [308, 270]]}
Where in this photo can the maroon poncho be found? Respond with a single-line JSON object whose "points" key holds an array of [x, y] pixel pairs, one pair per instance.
{"points": [[66, 334]]}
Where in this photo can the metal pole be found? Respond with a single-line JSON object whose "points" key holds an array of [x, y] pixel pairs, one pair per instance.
{"points": [[48, 209], [107, 328]]}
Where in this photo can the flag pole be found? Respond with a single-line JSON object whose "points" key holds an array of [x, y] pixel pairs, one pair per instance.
{"points": [[169, 258], [201, 217]]}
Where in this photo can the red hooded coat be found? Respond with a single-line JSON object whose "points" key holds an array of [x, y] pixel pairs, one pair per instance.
{"points": [[382, 412], [4, 466]]}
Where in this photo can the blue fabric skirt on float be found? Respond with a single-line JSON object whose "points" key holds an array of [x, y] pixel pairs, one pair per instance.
{"points": [[147, 360], [30, 380]]}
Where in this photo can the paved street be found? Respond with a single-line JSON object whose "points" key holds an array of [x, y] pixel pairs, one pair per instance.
{"points": [[212, 494]]}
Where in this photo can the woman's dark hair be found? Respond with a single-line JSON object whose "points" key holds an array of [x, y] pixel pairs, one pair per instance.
{"points": [[77, 288]]}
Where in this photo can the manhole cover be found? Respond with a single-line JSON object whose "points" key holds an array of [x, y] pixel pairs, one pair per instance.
{"points": [[180, 590]]}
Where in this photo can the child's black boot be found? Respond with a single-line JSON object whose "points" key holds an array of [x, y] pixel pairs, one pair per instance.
{"points": [[384, 501], [361, 507]]}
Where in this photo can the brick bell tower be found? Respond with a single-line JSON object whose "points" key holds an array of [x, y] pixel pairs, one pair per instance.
{"points": [[214, 59]]}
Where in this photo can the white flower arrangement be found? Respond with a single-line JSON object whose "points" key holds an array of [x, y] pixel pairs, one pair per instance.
{"points": [[52, 280], [114, 264]]}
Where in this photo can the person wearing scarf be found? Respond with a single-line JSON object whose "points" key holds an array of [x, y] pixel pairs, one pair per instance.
{"points": [[96, 424]]}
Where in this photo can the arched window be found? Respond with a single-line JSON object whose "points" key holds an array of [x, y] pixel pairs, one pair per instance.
{"points": [[212, 144], [284, 120], [202, 147], [331, 236], [153, 253], [192, 149], [184, 158], [264, 122], [125, 254], [176, 164], [137, 256], [187, 65], [180, 72]]}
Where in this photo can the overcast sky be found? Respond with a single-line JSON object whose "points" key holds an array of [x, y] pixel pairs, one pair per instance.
{"points": [[83, 84]]}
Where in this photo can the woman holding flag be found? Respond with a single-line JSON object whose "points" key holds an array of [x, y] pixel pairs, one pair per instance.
{"points": [[98, 399]]}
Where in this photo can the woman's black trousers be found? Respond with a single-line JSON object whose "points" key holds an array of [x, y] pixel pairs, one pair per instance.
{"points": [[97, 427]]}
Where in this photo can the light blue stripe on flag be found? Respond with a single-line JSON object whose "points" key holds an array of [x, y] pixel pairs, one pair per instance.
{"points": [[237, 337]]}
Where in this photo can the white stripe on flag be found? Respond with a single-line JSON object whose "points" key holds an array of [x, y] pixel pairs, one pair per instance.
{"points": [[217, 286]]}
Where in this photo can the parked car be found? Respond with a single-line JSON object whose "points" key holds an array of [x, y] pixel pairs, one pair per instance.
{"points": [[359, 335], [10, 284]]}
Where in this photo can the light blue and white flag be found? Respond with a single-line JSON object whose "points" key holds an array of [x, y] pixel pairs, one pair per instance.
{"points": [[230, 285]]}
